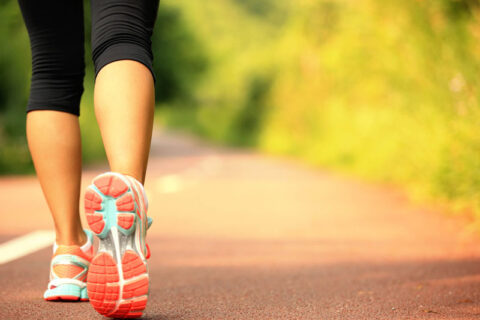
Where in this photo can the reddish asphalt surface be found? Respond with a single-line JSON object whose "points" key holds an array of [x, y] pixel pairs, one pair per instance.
{"points": [[242, 236]]}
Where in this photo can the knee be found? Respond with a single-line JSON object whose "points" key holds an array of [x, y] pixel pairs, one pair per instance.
{"points": [[57, 46], [57, 79], [123, 32]]}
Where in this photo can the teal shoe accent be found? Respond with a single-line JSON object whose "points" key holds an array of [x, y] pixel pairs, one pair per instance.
{"points": [[64, 292], [84, 294], [149, 222], [72, 259], [109, 214], [89, 235]]}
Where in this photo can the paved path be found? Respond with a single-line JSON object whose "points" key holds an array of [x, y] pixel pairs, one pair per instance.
{"points": [[242, 236]]}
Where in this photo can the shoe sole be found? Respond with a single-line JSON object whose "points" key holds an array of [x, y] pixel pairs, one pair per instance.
{"points": [[117, 281], [66, 292]]}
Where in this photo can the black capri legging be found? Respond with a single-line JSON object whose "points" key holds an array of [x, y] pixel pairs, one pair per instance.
{"points": [[121, 30]]}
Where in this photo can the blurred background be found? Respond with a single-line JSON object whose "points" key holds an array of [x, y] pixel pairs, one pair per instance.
{"points": [[387, 91]]}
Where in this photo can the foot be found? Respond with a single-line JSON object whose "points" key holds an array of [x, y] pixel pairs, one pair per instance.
{"points": [[68, 272], [116, 210]]}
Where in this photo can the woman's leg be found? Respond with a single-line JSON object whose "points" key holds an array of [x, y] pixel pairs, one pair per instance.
{"points": [[124, 101], [124, 88], [56, 35], [124, 104], [54, 142]]}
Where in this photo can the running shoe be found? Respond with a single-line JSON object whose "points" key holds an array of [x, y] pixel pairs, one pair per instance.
{"points": [[68, 272], [116, 210]]}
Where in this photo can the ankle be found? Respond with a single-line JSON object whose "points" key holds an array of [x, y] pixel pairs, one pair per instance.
{"points": [[71, 239]]}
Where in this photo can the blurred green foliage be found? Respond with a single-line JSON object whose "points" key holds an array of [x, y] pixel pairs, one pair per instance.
{"points": [[14, 52], [386, 90], [177, 68]]}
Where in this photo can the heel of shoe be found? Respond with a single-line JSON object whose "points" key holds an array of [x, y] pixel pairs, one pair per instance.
{"points": [[114, 294], [109, 202], [66, 292]]}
